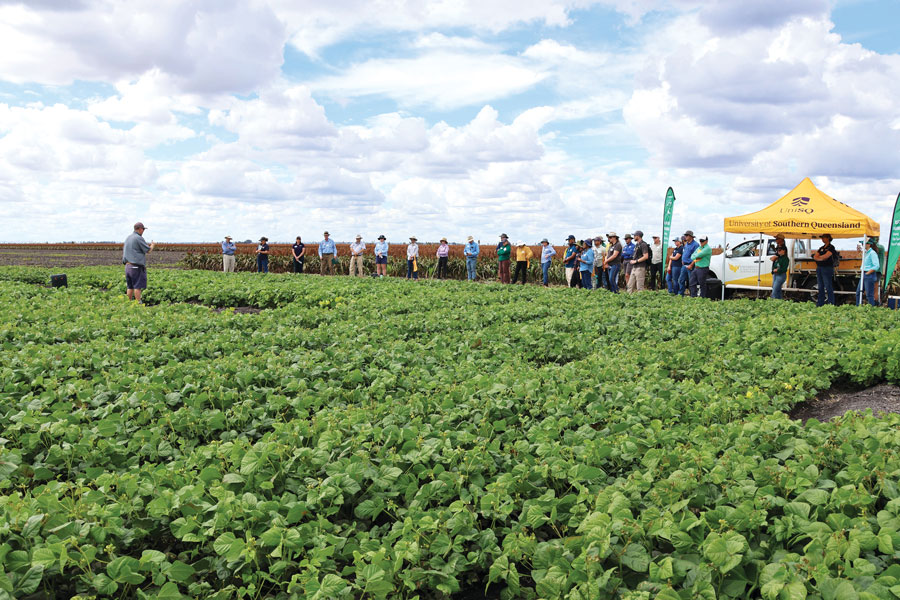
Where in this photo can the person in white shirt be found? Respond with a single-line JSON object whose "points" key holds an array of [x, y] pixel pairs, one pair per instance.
{"points": [[356, 256], [656, 274], [412, 259]]}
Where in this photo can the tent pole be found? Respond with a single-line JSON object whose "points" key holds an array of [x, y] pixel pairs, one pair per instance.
{"points": [[860, 291], [759, 265], [724, 264]]}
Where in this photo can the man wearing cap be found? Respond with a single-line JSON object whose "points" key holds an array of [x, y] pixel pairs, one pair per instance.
{"points": [[674, 267], [228, 250], [504, 249], [443, 256], [412, 259], [262, 255], [586, 264], [570, 259], [882, 265], [523, 257], [134, 256], [471, 251], [700, 259], [613, 261], [547, 254], [627, 257], [870, 266], [656, 256], [381, 256], [298, 255], [357, 249], [687, 249], [599, 257], [824, 258], [327, 252], [639, 261]]}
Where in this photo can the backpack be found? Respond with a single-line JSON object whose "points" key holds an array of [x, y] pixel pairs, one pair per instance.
{"points": [[835, 258], [649, 253]]}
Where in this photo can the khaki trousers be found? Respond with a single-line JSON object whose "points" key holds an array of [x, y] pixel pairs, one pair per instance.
{"points": [[228, 263], [636, 280], [356, 266], [325, 266]]}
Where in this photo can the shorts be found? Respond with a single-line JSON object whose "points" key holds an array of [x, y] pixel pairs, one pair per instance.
{"points": [[135, 277], [381, 260], [628, 267]]}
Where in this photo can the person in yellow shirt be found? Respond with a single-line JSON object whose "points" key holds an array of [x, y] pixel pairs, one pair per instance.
{"points": [[523, 256]]}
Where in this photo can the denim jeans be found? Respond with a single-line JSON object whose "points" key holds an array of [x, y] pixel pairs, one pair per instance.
{"points": [[613, 274], [825, 284], [471, 262], [683, 280], [545, 271], [586, 280], [410, 273], [777, 282], [868, 284], [262, 263], [673, 278]]}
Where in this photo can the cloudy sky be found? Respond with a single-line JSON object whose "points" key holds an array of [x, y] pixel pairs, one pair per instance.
{"points": [[447, 117]]}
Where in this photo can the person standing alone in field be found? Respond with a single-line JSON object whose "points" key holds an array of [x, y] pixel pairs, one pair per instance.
{"points": [[327, 252], [262, 255], [381, 256], [412, 259], [134, 255], [471, 250], [504, 249], [298, 253], [547, 254], [228, 250], [357, 249], [523, 257], [443, 255]]}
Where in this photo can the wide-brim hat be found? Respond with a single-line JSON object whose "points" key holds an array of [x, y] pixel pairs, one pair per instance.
{"points": [[470, 239], [264, 239], [413, 238], [503, 235], [443, 239], [358, 236], [612, 234], [689, 232], [381, 237], [545, 241], [227, 237]]}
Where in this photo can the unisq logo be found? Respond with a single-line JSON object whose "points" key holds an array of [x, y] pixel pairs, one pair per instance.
{"points": [[800, 206]]}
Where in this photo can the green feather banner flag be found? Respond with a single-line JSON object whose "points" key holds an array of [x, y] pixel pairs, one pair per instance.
{"points": [[893, 248], [667, 226]]}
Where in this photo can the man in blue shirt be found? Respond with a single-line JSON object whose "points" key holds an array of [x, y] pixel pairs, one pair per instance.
{"points": [[627, 257], [871, 266], [471, 252], [134, 256], [586, 264], [327, 252], [228, 250], [690, 246], [570, 260]]}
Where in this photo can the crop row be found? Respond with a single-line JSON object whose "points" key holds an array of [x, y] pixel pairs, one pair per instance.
{"points": [[351, 443]]}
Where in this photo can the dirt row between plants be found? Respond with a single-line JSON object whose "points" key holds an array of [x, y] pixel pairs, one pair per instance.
{"points": [[834, 403], [55, 258]]}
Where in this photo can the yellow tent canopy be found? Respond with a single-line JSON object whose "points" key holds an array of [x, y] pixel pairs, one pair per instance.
{"points": [[805, 211]]}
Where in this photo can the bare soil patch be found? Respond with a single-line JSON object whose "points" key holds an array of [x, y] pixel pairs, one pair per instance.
{"points": [[60, 258], [835, 402]]}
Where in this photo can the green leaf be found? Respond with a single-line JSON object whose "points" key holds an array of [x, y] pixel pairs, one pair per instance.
{"points": [[29, 582], [794, 590], [104, 585], [169, 591], [250, 463], [43, 557], [32, 526], [725, 551], [179, 571], [331, 586], [153, 556], [124, 570], [814, 496], [636, 558], [661, 570]]}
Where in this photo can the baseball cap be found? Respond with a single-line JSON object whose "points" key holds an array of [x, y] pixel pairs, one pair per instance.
{"points": [[639, 233], [689, 232], [326, 233], [704, 238], [139, 225], [571, 237], [655, 237], [503, 235], [520, 243]]}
